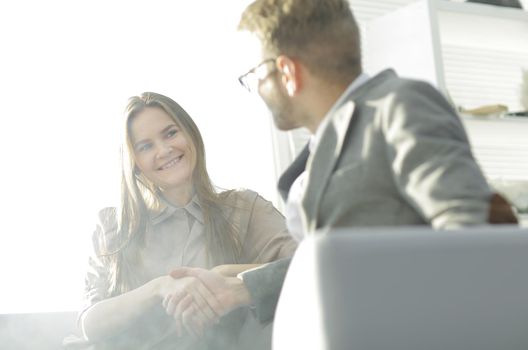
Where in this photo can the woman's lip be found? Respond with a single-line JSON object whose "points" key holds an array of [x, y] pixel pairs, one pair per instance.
{"points": [[169, 163]]}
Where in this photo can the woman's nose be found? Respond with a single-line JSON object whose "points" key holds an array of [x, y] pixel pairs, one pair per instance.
{"points": [[164, 150]]}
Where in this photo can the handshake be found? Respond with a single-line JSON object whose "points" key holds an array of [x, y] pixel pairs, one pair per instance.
{"points": [[196, 298]]}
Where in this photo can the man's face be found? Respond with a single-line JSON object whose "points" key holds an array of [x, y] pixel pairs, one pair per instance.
{"points": [[279, 103], [267, 79]]}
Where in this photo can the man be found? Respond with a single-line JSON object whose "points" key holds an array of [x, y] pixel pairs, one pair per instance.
{"points": [[385, 151]]}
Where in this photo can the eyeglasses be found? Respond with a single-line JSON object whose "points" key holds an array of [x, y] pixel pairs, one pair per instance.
{"points": [[251, 79]]}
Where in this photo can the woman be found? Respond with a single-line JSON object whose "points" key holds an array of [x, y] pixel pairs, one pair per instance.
{"points": [[170, 215]]}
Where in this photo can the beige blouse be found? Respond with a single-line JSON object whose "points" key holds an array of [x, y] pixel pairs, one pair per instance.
{"points": [[176, 238]]}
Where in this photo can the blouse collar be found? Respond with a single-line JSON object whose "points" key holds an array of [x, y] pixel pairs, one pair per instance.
{"points": [[167, 210]]}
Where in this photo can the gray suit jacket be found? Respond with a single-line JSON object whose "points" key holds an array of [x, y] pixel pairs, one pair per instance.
{"points": [[393, 153]]}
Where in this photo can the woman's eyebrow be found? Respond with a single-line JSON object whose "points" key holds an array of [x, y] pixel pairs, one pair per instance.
{"points": [[168, 128], [164, 130]]}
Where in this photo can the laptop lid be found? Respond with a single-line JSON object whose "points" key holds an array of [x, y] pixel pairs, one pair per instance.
{"points": [[406, 289]]}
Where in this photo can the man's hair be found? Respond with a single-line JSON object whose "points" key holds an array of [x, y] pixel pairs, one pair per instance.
{"points": [[323, 34]]}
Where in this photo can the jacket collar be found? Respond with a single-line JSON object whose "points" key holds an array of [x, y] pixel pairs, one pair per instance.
{"points": [[322, 162], [299, 164]]}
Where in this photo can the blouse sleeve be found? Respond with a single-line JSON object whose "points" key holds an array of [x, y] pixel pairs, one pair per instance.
{"points": [[97, 279], [266, 237]]}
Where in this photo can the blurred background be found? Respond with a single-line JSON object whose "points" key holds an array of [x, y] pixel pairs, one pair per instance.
{"points": [[66, 71]]}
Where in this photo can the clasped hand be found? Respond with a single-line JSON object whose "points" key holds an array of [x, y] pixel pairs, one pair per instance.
{"points": [[196, 298]]}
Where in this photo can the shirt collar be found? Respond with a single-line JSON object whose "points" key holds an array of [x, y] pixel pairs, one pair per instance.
{"points": [[167, 210], [360, 80]]}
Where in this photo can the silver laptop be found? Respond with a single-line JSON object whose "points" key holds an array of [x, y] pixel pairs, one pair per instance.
{"points": [[407, 289]]}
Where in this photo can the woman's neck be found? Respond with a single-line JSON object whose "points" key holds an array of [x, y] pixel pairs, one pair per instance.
{"points": [[180, 196]]}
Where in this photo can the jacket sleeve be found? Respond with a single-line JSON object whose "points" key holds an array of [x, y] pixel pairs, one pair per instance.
{"points": [[264, 285], [432, 163]]}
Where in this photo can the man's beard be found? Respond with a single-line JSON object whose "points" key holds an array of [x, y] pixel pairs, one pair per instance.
{"points": [[282, 111]]}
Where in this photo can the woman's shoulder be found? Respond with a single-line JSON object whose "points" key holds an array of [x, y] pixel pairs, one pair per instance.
{"points": [[105, 234], [238, 197], [245, 201], [107, 219]]}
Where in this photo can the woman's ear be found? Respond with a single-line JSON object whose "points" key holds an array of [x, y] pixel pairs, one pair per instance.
{"points": [[290, 74]]}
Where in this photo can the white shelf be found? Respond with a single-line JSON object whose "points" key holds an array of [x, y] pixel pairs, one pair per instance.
{"points": [[408, 41], [500, 146], [491, 11], [473, 52]]}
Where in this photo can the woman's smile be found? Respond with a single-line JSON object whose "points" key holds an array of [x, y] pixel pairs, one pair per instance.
{"points": [[161, 150], [171, 163]]}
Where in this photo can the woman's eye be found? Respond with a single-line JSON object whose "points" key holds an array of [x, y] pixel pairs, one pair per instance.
{"points": [[172, 132], [144, 147]]}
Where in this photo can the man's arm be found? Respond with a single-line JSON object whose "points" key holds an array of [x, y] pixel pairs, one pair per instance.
{"points": [[431, 158], [264, 285], [259, 288], [233, 270]]}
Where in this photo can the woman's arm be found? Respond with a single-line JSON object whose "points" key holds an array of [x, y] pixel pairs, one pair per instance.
{"points": [[107, 316], [232, 270], [114, 315], [267, 238], [111, 316]]}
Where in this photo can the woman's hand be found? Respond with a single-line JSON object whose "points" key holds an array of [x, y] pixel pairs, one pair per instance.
{"points": [[191, 304], [232, 270], [223, 293]]}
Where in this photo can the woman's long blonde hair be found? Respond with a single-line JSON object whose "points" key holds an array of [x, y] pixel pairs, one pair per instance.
{"points": [[139, 197]]}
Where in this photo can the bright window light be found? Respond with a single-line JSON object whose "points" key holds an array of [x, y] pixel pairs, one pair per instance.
{"points": [[66, 71]]}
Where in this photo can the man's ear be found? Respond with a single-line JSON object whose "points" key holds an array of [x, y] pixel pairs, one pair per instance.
{"points": [[290, 74]]}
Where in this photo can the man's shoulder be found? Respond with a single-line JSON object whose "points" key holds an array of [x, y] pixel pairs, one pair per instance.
{"points": [[389, 81]]}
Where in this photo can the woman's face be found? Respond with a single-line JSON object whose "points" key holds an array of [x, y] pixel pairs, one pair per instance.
{"points": [[161, 150]]}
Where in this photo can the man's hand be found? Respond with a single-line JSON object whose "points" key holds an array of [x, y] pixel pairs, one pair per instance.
{"points": [[187, 298], [222, 295]]}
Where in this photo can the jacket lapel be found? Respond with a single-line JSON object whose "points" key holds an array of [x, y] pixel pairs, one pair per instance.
{"points": [[321, 163], [292, 172]]}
